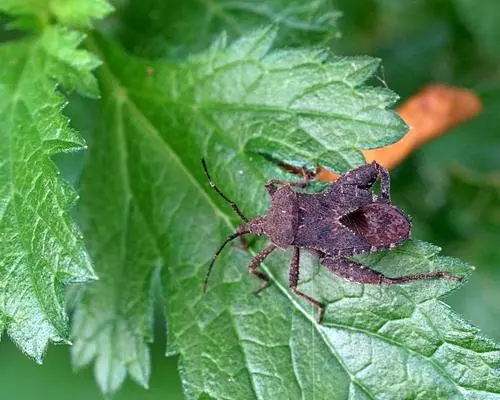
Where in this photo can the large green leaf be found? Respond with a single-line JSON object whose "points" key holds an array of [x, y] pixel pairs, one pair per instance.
{"points": [[158, 27], [41, 249], [146, 206]]}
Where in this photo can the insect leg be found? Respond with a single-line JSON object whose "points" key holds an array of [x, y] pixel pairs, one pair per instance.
{"points": [[238, 233], [255, 263], [418, 277], [352, 271], [364, 177], [385, 182], [272, 184], [293, 281], [214, 186], [356, 272]]}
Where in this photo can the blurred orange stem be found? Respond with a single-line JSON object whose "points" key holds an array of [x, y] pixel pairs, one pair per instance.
{"points": [[430, 113]]}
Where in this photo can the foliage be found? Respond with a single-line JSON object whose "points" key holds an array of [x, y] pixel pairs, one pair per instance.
{"points": [[41, 248], [150, 221]]}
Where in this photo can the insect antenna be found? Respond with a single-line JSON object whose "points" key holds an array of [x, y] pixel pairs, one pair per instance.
{"points": [[231, 203], [214, 257]]}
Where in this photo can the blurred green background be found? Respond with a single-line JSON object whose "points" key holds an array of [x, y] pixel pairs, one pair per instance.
{"points": [[450, 187]]}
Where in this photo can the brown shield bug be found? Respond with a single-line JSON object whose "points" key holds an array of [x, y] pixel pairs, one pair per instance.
{"points": [[344, 219]]}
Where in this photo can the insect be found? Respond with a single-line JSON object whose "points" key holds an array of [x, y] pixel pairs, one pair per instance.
{"points": [[344, 219]]}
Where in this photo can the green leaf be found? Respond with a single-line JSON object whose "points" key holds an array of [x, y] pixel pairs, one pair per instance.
{"points": [[156, 27], [146, 206], [78, 13], [458, 176], [41, 249], [212, 94]]}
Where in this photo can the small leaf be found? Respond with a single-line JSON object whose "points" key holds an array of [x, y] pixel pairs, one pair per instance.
{"points": [[79, 13], [41, 248]]}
